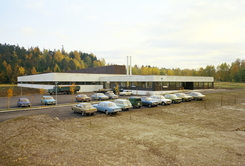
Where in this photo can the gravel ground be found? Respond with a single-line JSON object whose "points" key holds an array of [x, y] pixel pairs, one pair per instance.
{"points": [[210, 132]]}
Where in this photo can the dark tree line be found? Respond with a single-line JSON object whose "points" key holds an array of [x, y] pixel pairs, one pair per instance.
{"points": [[17, 61]]}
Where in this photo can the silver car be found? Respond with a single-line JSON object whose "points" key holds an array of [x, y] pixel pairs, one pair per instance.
{"points": [[197, 96]]}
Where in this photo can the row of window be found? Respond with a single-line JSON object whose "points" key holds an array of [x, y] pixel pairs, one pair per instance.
{"points": [[155, 86]]}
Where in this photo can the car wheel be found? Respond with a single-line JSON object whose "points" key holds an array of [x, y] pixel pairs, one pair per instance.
{"points": [[106, 112], [45, 103], [83, 114], [149, 105], [163, 103]]}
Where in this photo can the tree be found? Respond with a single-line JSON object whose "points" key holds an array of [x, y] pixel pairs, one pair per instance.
{"points": [[33, 70], [21, 70], [241, 75], [223, 71], [77, 56], [72, 65], [88, 61], [234, 72], [56, 68], [58, 56]]}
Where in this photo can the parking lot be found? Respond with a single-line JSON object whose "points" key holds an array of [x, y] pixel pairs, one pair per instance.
{"points": [[209, 132]]}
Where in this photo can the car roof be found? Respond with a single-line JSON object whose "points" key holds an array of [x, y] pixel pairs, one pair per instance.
{"points": [[106, 102], [83, 104], [23, 98], [120, 99]]}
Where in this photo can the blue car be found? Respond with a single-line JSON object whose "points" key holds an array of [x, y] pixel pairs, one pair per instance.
{"points": [[108, 107], [48, 100], [22, 102], [147, 101]]}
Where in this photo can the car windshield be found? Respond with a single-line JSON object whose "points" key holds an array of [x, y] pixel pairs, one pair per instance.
{"points": [[162, 97], [24, 100], [198, 94], [100, 94], [111, 105], [82, 95], [173, 96], [50, 98], [147, 99]]}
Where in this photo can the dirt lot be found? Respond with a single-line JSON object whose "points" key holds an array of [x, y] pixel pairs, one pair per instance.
{"points": [[210, 132]]}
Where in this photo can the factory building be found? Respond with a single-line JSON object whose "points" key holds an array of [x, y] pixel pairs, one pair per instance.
{"points": [[108, 76]]}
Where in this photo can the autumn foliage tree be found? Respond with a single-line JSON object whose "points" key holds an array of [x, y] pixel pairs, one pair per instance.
{"points": [[17, 61]]}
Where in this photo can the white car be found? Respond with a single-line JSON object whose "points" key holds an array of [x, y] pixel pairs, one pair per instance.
{"points": [[111, 95], [123, 103], [126, 93], [161, 99], [99, 96]]}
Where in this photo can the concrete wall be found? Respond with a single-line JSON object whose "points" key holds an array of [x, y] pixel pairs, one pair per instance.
{"points": [[83, 88], [63, 77]]}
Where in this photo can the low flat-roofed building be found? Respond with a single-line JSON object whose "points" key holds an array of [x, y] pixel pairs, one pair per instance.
{"points": [[142, 84]]}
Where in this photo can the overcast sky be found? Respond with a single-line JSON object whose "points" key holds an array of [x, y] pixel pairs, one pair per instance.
{"points": [[162, 33]]}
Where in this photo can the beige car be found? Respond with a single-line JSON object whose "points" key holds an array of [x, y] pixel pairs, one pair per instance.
{"points": [[83, 97], [184, 97], [84, 109]]}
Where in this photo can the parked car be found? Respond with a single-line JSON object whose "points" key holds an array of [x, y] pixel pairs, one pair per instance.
{"points": [[173, 97], [84, 109], [135, 101], [48, 100], [184, 96], [83, 97], [126, 93], [22, 102], [147, 101], [99, 96], [161, 99], [123, 103], [108, 107], [111, 95], [197, 96]]}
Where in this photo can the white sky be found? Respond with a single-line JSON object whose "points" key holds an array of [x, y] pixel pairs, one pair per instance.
{"points": [[162, 33]]}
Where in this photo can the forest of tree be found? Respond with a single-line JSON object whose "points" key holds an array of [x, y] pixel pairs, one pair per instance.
{"points": [[17, 61]]}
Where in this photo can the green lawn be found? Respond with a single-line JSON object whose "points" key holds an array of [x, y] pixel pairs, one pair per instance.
{"points": [[229, 85]]}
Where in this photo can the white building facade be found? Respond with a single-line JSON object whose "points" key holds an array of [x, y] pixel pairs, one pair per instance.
{"points": [[140, 84]]}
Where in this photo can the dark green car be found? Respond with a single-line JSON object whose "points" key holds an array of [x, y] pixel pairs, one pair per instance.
{"points": [[135, 101]]}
